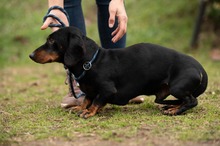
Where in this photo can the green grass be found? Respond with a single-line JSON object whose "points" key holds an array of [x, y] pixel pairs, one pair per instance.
{"points": [[30, 93]]}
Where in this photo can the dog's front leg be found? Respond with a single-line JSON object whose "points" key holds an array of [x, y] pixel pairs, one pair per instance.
{"points": [[98, 103], [86, 103], [91, 111], [107, 90]]}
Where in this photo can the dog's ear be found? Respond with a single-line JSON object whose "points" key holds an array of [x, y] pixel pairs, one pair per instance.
{"points": [[75, 50]]}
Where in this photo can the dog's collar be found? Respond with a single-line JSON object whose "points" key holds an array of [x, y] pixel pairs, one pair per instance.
{"points": [[87, 66]]}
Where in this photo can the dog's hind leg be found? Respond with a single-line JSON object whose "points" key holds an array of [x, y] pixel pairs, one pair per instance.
{"points": [[162, 94], [183, 88], [188, 103], [184, 93]]}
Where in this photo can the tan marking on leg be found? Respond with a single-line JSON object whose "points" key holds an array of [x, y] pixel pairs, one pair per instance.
{"points": [[172, 111], [91, 111], [85, 104]]}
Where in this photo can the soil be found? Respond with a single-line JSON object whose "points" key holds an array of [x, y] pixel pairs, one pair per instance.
{"points": [[141, 139]]}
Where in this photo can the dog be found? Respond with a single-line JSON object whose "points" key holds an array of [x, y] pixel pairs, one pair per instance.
{"points": [[117, 75]]}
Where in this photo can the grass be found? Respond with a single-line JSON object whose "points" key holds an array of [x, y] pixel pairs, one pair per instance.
{"points": [[30, 93]]}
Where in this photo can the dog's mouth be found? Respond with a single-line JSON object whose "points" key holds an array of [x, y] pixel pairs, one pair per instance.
{"points": [[43, 57]]}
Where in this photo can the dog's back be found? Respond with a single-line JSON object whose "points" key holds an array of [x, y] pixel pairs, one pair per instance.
{"points": [[148, 66], [179, 62]]}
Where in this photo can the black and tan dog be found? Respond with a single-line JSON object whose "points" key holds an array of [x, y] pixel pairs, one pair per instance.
{"points": [[117, 75]]}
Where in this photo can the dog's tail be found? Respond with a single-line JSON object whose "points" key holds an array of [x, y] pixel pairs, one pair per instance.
{"points": [[203, 84]]}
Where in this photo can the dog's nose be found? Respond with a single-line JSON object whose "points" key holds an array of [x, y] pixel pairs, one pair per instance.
{"points": [[31, 55]]}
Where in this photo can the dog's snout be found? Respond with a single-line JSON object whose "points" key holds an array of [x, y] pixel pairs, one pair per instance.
{"points": [[31, 55]]}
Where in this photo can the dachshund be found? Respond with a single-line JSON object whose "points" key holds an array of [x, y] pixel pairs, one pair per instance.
{"points": [[117, 75]]}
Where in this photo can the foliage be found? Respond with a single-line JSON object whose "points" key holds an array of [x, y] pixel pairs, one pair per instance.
{"points": [[214, 12]]}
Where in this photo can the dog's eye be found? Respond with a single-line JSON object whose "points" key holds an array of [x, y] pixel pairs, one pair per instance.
{"points": [[50, 41]]}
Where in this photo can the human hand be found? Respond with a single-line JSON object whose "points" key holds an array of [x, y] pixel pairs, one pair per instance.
{"points": [[50, 20], [117, 9]]}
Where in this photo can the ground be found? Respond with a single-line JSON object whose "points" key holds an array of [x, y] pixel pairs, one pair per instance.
{"points": [[142, 139]]}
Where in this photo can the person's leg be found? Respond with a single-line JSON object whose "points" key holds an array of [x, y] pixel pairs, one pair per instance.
{"points": [[104, 30], [74, 10]]}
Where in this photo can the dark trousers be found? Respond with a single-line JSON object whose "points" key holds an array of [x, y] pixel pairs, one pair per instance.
{"points": [[74, 9]]}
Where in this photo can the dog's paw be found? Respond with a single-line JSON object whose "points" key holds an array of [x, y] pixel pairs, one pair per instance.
{"points": [[75, 109], [86, 114], [170, 112]]}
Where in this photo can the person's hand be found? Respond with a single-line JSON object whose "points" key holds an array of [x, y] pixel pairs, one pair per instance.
{"points": [[117, 9], [51, 20]]}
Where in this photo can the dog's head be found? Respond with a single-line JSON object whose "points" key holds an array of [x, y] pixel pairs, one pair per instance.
{"points": [[64, 46]]}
